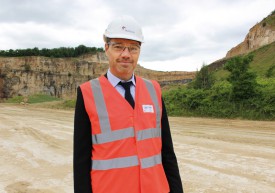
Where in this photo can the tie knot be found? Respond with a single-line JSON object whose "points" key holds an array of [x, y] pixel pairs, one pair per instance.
{"points": [[126, 85]]}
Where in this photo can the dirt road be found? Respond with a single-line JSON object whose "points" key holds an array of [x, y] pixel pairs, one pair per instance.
{"points": [[214, 155]]}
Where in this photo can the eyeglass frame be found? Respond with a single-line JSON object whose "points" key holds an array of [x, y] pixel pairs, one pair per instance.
{"points": [[124, 47]]}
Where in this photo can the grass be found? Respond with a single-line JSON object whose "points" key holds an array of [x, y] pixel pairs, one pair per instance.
{"points": [[44, 101], [62, 104], [54, 104], [270, 20], [32, 99], [67, 104], [263, 60]]}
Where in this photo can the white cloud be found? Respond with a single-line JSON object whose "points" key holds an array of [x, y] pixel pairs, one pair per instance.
{"points": [[179, 34]]}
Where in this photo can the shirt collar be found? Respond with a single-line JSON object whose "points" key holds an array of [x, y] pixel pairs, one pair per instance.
{"points": [[115, 80]]}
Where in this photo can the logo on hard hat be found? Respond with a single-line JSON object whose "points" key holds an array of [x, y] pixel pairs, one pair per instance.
{"points": [[127, 30]]}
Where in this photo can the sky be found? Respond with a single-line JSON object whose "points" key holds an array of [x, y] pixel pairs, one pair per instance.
{"points": [[180, 35]]}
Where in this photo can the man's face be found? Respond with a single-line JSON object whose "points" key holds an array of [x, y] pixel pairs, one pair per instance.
{"points": [[122, 62]]}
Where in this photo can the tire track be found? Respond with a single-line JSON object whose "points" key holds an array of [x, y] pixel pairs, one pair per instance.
{"points": [[52, 142]]}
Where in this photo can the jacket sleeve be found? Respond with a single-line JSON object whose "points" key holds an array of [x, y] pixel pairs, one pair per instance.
{"points": [[169, 159], [82, 147]]}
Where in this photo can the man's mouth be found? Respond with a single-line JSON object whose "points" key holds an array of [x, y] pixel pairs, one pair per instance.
{"points": [[125, 63]]}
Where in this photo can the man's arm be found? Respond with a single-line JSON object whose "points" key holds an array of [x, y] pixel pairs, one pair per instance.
{"points": [[169, 159], [82, 147]]}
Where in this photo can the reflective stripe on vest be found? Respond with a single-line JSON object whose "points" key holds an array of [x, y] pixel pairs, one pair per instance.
{"points": [[115, 163], [148, 133], [113, 135], [100, 106], [107, 135], [124, 162], [154, 98]]}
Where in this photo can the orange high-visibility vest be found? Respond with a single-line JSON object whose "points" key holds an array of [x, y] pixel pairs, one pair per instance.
{"points": [[126, 152]]}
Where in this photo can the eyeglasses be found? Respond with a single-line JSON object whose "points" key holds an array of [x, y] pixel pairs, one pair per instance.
{"points": [[118, 47]]}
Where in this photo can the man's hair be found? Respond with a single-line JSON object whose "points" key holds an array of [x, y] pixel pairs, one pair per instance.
{"points": [[107, 40]]}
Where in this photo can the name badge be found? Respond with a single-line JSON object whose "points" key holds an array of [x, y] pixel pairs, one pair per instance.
{"points": [[148, 108]]}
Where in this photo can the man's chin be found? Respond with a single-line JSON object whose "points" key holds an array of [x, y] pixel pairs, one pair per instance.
{"points": [[126, 70], [126, 67]]}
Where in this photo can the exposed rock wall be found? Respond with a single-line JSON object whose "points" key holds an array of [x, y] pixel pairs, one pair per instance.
{"points": [[54, 76], [164, 78], [60, 77], [259, 35]]}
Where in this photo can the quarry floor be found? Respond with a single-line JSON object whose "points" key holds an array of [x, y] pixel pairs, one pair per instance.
{"points": [[214, 155]]}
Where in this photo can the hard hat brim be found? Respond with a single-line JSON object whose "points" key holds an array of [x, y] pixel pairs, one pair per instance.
{"points": [[124, 36]]}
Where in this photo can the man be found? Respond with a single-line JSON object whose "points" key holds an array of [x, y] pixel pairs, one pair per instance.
{"points": [[122, 139]]}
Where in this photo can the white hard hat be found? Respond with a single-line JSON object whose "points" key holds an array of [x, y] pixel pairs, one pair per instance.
{"points": [[124, 27]]}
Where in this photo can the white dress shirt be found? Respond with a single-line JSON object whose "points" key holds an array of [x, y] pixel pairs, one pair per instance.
{"points": [[115, 80]]}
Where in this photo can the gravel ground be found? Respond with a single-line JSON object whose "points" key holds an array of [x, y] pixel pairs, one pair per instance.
{"points": [[214, 155]]}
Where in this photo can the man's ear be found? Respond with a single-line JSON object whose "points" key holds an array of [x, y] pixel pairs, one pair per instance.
{"points": [[106, 46]]}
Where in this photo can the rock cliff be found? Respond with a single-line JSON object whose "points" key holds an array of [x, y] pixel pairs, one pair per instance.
{"points": [[259, 35], [60, 77]]}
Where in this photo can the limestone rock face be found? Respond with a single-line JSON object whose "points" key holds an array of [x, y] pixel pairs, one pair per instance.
{"points": [[259, 35], [60, 77]]}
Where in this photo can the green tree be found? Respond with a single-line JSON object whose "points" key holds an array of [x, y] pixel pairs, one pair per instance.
{"points": [[269, 71], [81, 49], [243, 81], [55, 52], [203, 79]]}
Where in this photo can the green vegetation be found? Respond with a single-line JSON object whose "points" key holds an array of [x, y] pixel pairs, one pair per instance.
{"points": [[270, 71], [42, 100], [204, 79], [37, 98], [263, 60], [55, 52], [236, 91], [68, 104], [243, 82], [269, 20], [27, 67]]}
